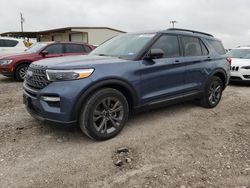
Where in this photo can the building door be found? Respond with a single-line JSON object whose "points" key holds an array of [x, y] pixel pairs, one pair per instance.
{"points": [[78, 37]]}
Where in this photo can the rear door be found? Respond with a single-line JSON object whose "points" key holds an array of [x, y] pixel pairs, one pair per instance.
{"points": [[163, 78], [75, 49], [196, 59]]}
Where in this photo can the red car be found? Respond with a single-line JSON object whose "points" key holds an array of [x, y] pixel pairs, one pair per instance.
{"points": [[16, 65]]}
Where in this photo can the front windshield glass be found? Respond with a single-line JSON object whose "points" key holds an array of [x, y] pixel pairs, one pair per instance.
{"points": [[240, 53], [125, 46], [36, 47]]}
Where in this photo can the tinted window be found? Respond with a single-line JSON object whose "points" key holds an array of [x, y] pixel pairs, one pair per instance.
{"points": [[55, 49], [169, 44], [192, 46], [217, 45], [74, 48], [8, 43], [204, 48]]}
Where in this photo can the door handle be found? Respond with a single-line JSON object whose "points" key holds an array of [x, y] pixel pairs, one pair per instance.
{"points": [[176, 62]]}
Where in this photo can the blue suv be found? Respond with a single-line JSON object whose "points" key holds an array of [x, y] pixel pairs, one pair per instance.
{"points": [[127, 73]]}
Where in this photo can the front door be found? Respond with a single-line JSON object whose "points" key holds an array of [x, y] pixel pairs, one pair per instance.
{"points": [[163, 78]]}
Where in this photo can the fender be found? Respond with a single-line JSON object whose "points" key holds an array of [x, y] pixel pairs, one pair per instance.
{"points": [[220, 71], [99, 84]]}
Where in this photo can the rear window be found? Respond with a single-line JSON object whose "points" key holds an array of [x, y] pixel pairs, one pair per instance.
{"points": [[240, 53], [217, 45], [74, 48], [8, 43]]}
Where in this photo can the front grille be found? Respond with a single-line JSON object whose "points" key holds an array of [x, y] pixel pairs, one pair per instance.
{"points": [[36, 77], [234, 68], [246, 76]]}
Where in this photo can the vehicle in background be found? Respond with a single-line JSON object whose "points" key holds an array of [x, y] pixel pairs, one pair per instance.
{"points": [[240, 64], [16, 65], [11, 46], [126, 73]]}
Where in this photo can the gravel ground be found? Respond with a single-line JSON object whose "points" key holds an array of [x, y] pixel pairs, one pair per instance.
{"points": [[178, 146]]}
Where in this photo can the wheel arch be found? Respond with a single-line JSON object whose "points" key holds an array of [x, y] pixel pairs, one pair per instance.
{"points": [[125, 88], [222, 75], [19, 63]]}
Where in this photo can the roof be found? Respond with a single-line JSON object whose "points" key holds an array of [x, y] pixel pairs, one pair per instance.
{"points": [[70, 28], [33, 34]]}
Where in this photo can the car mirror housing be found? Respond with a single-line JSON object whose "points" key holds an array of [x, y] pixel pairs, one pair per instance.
{"points": [[44, 53], [154, 54]]}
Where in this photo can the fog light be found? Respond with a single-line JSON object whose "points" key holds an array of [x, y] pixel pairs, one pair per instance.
{"points": [[51, 99]]}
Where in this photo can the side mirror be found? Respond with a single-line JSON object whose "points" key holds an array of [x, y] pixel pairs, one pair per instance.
{"points": [[44, 53], [155, 54]]}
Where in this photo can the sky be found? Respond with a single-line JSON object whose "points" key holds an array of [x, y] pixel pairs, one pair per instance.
{"points": [[227, 20]]}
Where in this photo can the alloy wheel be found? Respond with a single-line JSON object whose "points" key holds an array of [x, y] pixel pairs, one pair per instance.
{"points": [[108, 115], [22, 72], [214, 93]]}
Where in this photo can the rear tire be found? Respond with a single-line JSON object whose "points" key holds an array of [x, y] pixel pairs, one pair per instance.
{"points": [[104, 114], [213, 92], [21, 71]]}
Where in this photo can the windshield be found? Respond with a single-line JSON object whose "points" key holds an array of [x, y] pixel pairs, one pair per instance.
{"points": [[36, 47], [240, 53], [125, 46]]}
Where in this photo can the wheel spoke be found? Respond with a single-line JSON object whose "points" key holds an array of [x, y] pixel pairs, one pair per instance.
{"points": [[101, 125], [115, 124], [105, 127], [117, 109]]}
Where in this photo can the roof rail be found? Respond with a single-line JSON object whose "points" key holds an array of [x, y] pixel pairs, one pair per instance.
{"points": [[192, 31]]}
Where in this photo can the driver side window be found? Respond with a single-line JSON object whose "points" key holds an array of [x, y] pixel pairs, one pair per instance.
{"points": [[169, 44], [55, 49]]}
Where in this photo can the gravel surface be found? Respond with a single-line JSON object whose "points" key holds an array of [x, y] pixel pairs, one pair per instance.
{"points": [[182, 146]]}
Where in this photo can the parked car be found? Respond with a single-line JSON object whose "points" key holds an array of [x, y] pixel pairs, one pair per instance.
{"points": [[127, 73], [11, 45], [17, 65], [240, 64]]}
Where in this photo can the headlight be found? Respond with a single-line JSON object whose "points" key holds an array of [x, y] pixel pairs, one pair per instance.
{"points": [[5, 62], [246, 67], [60, 75]]}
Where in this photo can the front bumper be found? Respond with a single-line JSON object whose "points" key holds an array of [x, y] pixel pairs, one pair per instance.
{"points": [[6, 71], [240, 75], [56, 112]]}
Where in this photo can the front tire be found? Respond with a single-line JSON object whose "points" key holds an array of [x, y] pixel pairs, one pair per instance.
{"points": [[21, 72], [104, 114]]}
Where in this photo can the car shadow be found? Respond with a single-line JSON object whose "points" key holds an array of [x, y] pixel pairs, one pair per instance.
{"points": [[73, 133], [240, 84], [6, 79]]}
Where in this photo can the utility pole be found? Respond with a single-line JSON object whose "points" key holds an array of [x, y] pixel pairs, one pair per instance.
{"points": [[173, 22], [22, 20]]}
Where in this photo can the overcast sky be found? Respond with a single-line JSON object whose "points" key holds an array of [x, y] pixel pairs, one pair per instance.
{"points": [[228, 20]]}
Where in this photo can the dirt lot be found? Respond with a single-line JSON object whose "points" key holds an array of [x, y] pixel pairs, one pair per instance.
{"points": [[179, 146]]}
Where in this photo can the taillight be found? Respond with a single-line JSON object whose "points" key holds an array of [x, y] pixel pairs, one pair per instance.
{"points": [[229, 60]]}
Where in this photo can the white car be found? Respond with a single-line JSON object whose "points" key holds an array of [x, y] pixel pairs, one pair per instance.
{"points": [[240, 63], [11, 46]]}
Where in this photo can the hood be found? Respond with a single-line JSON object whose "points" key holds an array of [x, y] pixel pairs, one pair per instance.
{"points": [[80, 61], [240, 62], [16, 55]]}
